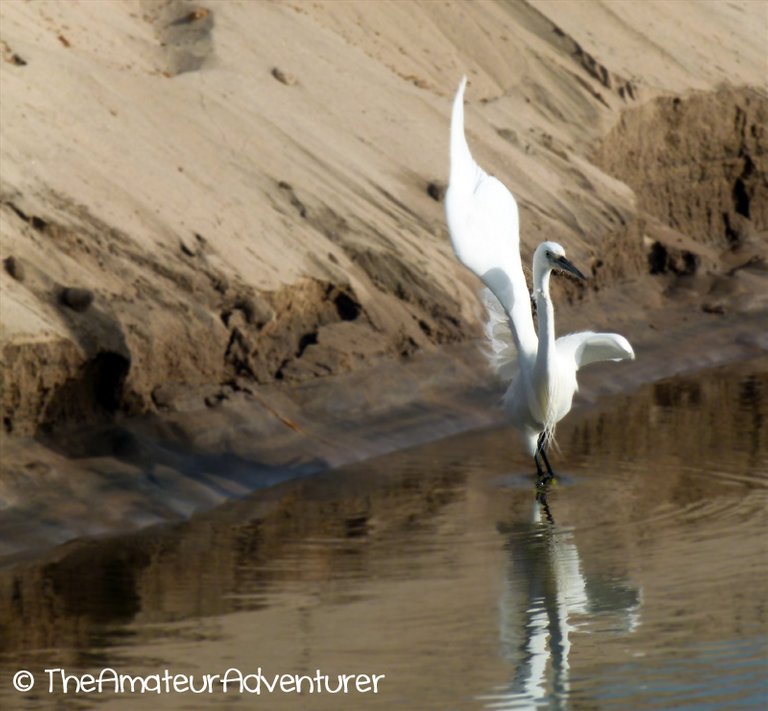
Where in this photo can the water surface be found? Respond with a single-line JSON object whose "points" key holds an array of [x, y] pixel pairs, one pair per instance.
{"points": [[640, 582]]}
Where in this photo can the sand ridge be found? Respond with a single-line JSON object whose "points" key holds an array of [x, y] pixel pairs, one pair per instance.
{"points": [[254, 176]]}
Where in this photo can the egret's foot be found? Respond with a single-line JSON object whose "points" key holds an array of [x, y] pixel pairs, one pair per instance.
{"points": [[545, 480]]}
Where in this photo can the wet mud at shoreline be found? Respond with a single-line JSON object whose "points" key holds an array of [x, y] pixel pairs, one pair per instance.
{"points": [[154, 470], [435, 566]]}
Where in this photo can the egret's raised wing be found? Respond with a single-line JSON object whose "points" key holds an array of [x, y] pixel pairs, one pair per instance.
{"points": [[483, 224], [502, 352], [589, 347]]}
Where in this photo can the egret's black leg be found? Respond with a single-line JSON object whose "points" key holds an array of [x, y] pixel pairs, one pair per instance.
{"points": [[550, 472], [544, 478]]}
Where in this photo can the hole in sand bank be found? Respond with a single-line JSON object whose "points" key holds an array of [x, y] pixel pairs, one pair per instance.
{"points": [[95, 391], [347, 308], [305, 341]]}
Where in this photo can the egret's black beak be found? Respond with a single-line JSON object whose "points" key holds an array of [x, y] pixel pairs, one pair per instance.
{"points": [[566, 266]]}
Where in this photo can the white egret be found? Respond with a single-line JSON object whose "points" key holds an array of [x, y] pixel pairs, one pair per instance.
{"points": [[484, 227]]}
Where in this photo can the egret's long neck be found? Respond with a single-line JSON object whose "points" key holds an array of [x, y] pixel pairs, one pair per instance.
{"points": [[546, 317]]}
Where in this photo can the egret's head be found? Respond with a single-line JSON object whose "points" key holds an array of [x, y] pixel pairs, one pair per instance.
{"points": [[551, 255]]}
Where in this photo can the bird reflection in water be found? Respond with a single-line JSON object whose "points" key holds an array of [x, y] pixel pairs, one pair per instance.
{"points": [[546, 596]]}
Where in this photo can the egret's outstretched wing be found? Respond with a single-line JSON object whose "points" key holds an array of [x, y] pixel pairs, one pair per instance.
{"points": [[589, 347], [483, 224], [502, 353]]}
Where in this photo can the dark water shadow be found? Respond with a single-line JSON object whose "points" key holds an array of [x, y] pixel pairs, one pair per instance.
{"points": [[87, 593]]}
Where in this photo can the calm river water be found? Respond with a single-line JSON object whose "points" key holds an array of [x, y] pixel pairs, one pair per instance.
{"points": [[641, 585]]}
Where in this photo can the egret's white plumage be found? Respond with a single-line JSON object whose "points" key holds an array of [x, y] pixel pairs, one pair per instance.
{"points": [[484, 227]]}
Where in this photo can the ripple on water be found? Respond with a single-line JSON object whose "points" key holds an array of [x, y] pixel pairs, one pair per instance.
{"points": [[727, 675]]}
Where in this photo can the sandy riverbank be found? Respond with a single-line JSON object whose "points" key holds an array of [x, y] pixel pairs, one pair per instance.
{"points": [[215, 219]]}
